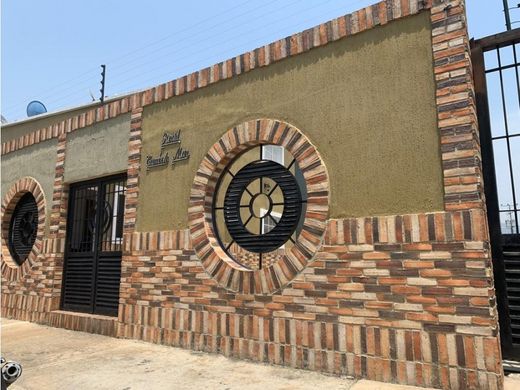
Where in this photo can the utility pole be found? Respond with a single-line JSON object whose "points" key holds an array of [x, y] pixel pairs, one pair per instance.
{"points": [[506, 13], [509, 223]]}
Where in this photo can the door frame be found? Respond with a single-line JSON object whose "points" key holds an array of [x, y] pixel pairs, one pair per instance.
{"points": [[101, 181]]}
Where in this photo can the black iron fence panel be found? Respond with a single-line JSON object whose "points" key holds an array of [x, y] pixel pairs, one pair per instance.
{"points": [[497, 86]]}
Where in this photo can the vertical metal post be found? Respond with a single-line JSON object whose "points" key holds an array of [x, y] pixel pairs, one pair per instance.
{"points": [[506, 13], [102, 90]]}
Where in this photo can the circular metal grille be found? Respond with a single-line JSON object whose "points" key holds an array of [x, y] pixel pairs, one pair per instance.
{"points": [[23, 228], [292, 206], [259, 206]]}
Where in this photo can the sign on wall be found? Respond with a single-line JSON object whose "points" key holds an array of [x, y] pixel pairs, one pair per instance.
{"points": [[167, 157]]}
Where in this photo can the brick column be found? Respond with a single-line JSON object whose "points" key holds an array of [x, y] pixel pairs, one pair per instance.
{"points": [[131, 200], [58, 221]]}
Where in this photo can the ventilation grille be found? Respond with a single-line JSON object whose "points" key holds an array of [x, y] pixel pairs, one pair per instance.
{"points": [[23, 228]]}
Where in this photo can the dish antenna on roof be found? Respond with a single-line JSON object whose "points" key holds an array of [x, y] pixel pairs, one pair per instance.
{"points": [[35, 108]]}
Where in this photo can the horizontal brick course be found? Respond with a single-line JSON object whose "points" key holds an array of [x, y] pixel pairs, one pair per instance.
{"points": [[358, 294]]}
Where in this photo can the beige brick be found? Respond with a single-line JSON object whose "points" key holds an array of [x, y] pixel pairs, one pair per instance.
{"points": [[471, 291], [421, 282], [454, 319], [376, 272], [435, 255], [408, 307], [474, 330]]}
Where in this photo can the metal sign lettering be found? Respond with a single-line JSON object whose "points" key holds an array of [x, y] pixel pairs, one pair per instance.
{"points": [[173, 138], [154, 162]]}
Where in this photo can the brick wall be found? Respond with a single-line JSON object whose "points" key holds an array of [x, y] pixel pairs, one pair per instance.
{"points": [[402, 299]]}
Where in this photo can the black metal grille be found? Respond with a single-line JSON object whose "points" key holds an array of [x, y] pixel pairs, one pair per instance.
{"points": [[281, 190], [292, 202], [94, 243], [503, 85], [23, 228]]}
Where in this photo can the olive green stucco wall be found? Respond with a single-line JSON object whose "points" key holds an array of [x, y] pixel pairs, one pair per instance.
{"points": [[367, 102], [91, 152], [37, 161], [98, 150]]}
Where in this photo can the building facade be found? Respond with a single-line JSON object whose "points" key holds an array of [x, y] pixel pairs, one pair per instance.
{"points": [[317, 203]]}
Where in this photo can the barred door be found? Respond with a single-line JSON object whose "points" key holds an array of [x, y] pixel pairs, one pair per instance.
{"points": [[92, 268], [496, 64]]}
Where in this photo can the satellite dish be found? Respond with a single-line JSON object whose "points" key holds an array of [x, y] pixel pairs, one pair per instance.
{"points": [[35, 108]]}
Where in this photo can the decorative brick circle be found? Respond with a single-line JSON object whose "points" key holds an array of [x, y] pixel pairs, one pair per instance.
{"points": [[224, 269], [10, 268]]}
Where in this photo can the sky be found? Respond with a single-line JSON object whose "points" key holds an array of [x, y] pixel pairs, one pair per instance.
{"points": [[52, 50]]}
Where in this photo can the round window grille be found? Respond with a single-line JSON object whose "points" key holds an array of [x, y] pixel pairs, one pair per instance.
{"points": [[259, 205], [23, 228]]}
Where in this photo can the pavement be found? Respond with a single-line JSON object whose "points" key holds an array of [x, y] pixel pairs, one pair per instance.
{"points": [[60, 359]]}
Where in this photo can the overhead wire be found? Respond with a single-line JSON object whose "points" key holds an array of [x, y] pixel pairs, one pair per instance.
{"points": [[216, 25], [119, 58], [212, 57], [186, 29], [292, 27], [203, 49], [203, 32], [111, 84]]}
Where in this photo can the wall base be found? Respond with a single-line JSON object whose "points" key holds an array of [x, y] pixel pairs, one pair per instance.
{"points": [[84, 322]]}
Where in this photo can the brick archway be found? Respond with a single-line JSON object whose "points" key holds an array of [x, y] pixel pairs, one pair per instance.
{"points": [[224, 269], [10, 269]]}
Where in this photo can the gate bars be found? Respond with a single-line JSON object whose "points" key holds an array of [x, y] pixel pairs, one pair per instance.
{"points": [[506, 262]]}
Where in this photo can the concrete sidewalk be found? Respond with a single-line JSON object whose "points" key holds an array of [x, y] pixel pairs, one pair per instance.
{"points": [[62, 359]]}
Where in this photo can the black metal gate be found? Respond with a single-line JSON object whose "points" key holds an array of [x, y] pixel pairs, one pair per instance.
{"points": [[497, 86], [93, 251]]}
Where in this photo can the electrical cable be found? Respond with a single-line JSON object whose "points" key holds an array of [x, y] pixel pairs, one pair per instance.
{"points": [[199, 51], [213, 61], [203, 49], [119, 58], [217, 25], [292, 28]]}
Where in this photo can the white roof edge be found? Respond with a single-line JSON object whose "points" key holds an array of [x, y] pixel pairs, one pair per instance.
{"points": [[69, 109]]}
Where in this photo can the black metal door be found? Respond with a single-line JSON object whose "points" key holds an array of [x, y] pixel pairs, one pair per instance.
{"points": [[497, 85], [92, 267]]}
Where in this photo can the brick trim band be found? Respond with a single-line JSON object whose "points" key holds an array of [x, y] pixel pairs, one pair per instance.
{"points": [[10, 268], [215, 260]]}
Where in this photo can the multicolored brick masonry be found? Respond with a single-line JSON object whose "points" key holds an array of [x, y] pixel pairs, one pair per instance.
{"points": [[402, 298]]}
